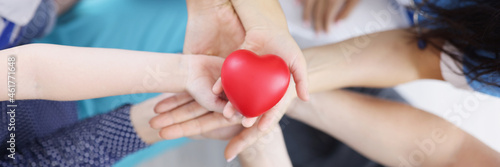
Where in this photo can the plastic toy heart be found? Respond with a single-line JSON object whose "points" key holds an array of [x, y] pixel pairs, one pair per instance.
{"points": [[252, 83]]}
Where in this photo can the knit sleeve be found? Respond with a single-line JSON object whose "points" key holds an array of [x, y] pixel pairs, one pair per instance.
{"points": [[98, 141]]}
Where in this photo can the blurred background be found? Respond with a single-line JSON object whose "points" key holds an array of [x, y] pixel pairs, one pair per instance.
{"points": [[109, 23]]}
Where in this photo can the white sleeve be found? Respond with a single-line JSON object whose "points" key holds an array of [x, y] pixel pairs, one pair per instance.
{"points": [[451, 70], [18, 11]]}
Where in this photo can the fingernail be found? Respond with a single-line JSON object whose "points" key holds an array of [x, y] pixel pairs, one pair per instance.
{"points": [[231, 159], [306, 24]]}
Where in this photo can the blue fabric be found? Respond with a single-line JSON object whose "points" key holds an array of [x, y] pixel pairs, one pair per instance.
{"points": [[145, 25]]}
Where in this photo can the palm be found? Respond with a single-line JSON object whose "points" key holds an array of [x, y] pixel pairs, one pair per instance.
{"points": [[215, 31]]}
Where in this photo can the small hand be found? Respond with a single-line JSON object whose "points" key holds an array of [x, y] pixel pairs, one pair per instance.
{"points": [[181, 116], [213, 28], [324, 12], [250, 135], [202, 74]]}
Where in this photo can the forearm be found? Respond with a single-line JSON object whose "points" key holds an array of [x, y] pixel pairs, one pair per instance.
{"points": [[270, 151], [141, 114], [382, 59], [370, 125], [260, 14], [194, 6], [55, 72]]}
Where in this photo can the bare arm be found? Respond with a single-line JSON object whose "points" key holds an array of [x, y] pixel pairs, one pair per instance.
{"points": [[55, 72], [392, 133], [268, 151], [382, 59], [64, 5]]}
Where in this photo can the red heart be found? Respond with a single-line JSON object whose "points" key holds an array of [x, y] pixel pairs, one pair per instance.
{"points": [[252, 83]]}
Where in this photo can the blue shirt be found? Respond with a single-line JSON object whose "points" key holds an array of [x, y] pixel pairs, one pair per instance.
{"points": [[449, 68]]}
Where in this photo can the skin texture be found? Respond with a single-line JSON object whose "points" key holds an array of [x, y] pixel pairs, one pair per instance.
{"points": [[259, 26], [41, 75], [369, 125], [213, 28], [353, 118], [269, 151], [392, 60], [322, 13]]}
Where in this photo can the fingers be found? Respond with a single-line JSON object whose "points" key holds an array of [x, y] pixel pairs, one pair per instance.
{"points": [[225, 133], [230, 112], [217, 88], [204, 95], [186, 112], [172, 102], [319, 15], [308, 11], [347, 9], [248, 122], [200, 125], [333, 9], [242, 141], [269, 118]]}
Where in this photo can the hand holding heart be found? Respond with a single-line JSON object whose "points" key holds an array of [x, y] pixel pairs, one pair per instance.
{"points": [[181, 116], [254, 84]]}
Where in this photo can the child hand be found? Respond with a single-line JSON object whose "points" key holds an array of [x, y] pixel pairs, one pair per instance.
{"points": [[213, 28]]}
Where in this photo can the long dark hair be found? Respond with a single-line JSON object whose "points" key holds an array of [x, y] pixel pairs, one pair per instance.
{"points": [[473, 27]]}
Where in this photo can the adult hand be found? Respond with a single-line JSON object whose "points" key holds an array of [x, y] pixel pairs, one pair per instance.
{"points": [[323, 12], [181, 116]]}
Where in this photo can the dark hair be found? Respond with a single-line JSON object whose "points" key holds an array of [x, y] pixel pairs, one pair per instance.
{"points": [[473, 27]]}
